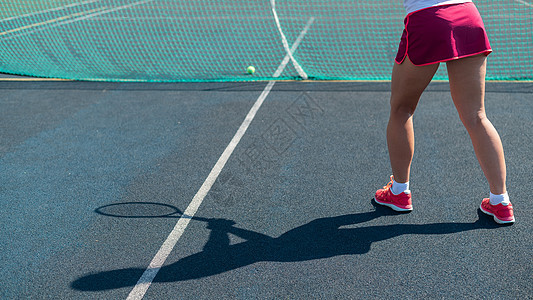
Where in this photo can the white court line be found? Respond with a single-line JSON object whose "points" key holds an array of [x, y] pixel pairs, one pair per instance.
{"points": [[47, 10], [186, 18], [79, 19], [294, 46], [47, 22], [524, 2], [159, 259], [296, 65]]}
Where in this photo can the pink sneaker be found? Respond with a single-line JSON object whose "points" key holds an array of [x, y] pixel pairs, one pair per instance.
{"points": [[401, 202], [502, 214]]}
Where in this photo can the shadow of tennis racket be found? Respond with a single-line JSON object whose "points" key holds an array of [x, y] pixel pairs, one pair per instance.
{"points": [[144, 210]]}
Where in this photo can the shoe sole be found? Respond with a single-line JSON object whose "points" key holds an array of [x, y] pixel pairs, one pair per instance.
{"points": [[495, 218], [394, 207]]}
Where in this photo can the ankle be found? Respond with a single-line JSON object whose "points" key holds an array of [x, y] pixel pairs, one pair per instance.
{"points": [[496, 199], [398, 188]]}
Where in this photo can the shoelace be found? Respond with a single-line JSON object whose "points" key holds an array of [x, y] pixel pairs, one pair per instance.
{"points": [[389, 185]]}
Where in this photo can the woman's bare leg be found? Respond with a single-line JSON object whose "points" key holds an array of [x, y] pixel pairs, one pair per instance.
{"points": [[467, 85], [408, 83]]}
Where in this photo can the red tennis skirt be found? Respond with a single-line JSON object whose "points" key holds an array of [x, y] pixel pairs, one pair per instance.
{"points": [[443, 33]]}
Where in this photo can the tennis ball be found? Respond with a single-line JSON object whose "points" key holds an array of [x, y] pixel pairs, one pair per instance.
{"points": [[250, 70]]}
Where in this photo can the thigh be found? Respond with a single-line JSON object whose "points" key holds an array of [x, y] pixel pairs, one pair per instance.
{"points": [[408, 83], [467, 86]]}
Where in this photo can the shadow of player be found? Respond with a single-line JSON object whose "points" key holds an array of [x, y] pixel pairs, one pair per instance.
{"points": [[320, 238]]}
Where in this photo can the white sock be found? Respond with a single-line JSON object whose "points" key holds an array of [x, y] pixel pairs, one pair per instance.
{"points": [[398, 188], [497, 199]]}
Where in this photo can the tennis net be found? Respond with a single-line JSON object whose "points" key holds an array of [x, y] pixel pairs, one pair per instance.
{"points": [[208, 40]]}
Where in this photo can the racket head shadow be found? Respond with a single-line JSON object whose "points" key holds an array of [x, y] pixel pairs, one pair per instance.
{"points": [[144, 210], [140, 210]]}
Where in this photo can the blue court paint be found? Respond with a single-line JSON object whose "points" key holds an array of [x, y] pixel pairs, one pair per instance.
{"points": [[51, 183]]}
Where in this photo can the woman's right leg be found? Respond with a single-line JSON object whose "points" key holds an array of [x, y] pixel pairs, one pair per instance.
{"points": [[467, 85], [408, 83]]}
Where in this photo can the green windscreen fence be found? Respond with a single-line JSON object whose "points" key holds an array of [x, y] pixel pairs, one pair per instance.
{"points": [[216, 40]]}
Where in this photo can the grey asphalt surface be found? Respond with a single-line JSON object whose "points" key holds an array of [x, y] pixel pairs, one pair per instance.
{"points": [[93, 173]]}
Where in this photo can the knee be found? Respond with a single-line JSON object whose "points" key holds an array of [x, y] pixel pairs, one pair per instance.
{"points": [[474, 121], [402, 109]]}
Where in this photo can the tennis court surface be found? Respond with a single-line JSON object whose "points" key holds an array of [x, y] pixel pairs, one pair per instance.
{"points": [[95, 177], [165, 171]]}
